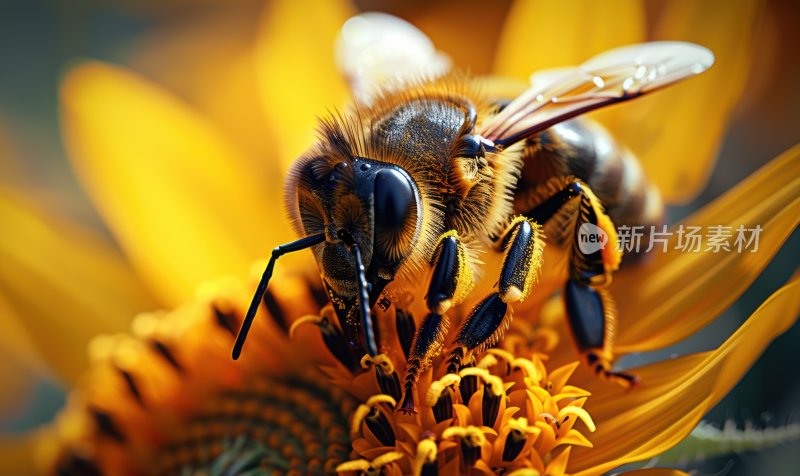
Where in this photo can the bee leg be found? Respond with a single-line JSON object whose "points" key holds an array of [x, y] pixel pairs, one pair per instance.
{"points": [[594, 245], [427, 344], [523, 244], [452, 277], [406, 328], [592, 318], [591, 311], [450, 282], [593, 259]]}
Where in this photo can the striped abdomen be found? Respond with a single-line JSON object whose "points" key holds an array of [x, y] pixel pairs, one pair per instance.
{"points": [[584, 149]]}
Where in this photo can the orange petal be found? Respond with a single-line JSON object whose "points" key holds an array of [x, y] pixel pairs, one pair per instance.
{"points": [[174, 192], [541, 34], [673, 395], [61, 285], [676, 133], [690, 288], [297, 72]]}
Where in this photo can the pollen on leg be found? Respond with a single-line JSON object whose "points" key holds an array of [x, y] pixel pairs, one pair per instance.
{"points": [[523, 247]]}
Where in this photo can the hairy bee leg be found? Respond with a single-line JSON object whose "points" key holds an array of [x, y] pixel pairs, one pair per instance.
{"points": [[523, 246], [450, 282], [406, 328], [592, 318], [591, 311], [483, 326], [595, 266], [427, 344]]}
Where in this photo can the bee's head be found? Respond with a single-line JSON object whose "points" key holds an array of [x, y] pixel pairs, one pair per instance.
{"points": [[356, 202]]}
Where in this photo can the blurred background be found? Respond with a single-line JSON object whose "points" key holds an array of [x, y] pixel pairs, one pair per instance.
{"points": [[194, 49]]}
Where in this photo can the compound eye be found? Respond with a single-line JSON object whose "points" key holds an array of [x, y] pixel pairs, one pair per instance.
{"points": [[394, 200]]}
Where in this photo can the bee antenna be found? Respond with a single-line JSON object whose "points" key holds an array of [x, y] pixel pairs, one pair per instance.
{"points": [[279, 251], [363, 292]]}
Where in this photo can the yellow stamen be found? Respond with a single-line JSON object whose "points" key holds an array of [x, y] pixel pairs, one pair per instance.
{"points": [[427, 451], [492, 383], [380, 360], [307, 319], [472, 435], [364, 410], [488, 361], [532, 374], [439, 386], [521, 425]]}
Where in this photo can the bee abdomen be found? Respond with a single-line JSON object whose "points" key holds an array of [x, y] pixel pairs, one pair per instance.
{"points": [[584, 149], [618, 181]]}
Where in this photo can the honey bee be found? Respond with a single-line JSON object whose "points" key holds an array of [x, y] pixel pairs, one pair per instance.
{"points": [[408, 187]]}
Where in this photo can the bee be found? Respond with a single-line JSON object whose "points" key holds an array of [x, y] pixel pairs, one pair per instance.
{"points": [[403, 191]]}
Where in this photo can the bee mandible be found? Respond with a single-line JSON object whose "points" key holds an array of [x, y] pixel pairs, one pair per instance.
{"points": [[411, 185]]}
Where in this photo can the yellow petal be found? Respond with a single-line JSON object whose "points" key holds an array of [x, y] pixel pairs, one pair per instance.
{"points": [[779, 313], [692, 288], [15, 340], [541, 34], [559, 463], [297, 72], [676, 133], [575, 438], [778, 175], [174, 192], [640, 423], [207, 60], [61, 285]]}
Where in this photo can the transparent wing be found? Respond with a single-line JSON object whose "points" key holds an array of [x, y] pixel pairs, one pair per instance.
{"points": [[614, 76], [379, 51]]}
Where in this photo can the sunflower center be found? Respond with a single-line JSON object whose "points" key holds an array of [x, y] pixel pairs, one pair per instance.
{"points": [[271, 425]]}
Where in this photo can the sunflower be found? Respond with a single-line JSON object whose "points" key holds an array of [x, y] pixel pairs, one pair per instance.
{"points": [[166, 398]]}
